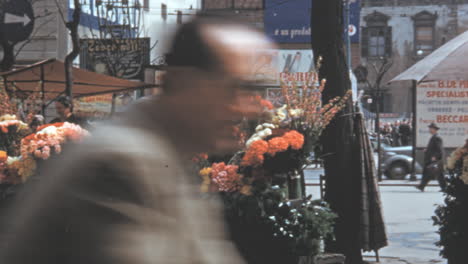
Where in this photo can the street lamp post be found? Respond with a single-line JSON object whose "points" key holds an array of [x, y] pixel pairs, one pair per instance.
{"points": [[377, 126]]}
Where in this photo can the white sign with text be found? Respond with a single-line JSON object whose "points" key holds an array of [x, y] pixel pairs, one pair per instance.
{"points": [[446, 104]]}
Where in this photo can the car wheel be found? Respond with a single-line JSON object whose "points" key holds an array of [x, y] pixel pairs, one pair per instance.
{"points": [[397, 171]]}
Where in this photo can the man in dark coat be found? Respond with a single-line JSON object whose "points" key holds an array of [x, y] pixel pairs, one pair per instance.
{"points": [[405, 133], [396, 134], [433, 159]]}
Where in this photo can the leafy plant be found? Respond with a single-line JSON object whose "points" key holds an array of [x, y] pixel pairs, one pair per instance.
{"points": [[452, 218]]}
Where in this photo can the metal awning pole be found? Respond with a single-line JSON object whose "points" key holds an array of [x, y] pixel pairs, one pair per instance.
{"points": [[414, 120], [43, 92]]}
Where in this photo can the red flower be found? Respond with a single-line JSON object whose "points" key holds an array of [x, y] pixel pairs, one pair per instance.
{"points": [[226, 177], [267, 104], [295, 139], [277, 144], [254, 155]]}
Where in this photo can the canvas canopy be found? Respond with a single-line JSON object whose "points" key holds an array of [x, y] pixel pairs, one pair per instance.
{"points": [[446, 63], [48, 77]]}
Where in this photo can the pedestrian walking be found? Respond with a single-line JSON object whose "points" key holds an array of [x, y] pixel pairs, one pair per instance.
{"points": [[396, 134], [123, 196], [433, 160], [405, 132]]}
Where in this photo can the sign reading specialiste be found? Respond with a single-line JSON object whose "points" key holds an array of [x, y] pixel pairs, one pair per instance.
{"points": [[446, 104]]}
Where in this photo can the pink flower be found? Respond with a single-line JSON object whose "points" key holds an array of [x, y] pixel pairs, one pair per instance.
{"points": [[45, 155], [225, 177], [58, 149], [37, 153]]}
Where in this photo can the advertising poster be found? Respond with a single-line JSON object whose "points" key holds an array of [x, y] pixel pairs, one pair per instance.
{"points": [[271, 67], [288, 21], [128, 57], [296, 66], [265, 67], [101, 105], [446, 104]]}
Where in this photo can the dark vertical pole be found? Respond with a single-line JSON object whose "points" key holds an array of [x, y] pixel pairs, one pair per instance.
{"points": [[377, 127], [43, 92], [342, 179], [414, 120], [114, 96], [348, 38]]}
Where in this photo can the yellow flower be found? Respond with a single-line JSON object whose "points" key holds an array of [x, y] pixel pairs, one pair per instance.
{"points": [[464, 175], [205, 174], [25, 167]]}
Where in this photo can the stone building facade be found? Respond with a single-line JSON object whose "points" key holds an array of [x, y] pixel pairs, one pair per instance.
{"points": [[405, 31]]}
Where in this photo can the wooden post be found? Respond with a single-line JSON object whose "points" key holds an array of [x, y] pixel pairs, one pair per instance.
{"points": [[413, 164]]}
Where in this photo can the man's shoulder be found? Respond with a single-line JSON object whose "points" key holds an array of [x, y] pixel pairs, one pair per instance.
{"points": [[127, 139]]}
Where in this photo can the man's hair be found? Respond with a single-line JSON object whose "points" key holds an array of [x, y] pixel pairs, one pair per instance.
{"points": [[65, 101], [190, 49]]}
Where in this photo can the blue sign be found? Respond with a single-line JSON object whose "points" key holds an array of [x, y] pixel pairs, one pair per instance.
{"points": [[288, 21], [354, 20]]}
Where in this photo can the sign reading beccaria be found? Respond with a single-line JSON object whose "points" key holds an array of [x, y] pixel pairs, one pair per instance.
{"points": [[446, 104]]}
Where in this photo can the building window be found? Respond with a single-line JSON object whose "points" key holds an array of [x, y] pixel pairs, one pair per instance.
{"points": [[376, 42], [164, 12], [146, 4], [424, 28], [376, 36], [179, 17]]}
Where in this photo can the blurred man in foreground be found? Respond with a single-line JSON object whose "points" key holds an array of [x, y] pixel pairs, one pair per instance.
{"points": [[123, 196]]}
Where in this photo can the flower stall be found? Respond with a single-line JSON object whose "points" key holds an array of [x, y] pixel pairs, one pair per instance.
{"points": [[262, 186], [23, 151], [453, 215]]}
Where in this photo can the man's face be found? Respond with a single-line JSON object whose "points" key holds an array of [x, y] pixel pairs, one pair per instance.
{"points": [[217, 101], [62, 111], [432, 130]]}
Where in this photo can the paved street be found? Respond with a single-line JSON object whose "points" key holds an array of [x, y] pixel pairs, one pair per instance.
{"points": [[407, 214]]}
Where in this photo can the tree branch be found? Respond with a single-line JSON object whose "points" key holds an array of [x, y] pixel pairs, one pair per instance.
{"points": [[73, 27], [59, 8], [33, 35]]}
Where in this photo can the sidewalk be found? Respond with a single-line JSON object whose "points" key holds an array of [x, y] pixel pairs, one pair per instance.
{"points": [[393, 260]]}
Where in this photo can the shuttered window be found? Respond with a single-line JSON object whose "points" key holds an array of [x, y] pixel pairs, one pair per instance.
{"points": [[376, 42]]}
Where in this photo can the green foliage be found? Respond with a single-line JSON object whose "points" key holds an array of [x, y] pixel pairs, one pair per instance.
{"points": [[452, 219], [269, 229]]}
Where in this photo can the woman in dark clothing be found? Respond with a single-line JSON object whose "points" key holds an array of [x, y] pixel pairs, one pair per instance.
{"points": [[63, 106]]}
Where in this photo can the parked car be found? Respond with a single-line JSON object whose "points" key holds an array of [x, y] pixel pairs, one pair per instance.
{"points": [[396, 161]]}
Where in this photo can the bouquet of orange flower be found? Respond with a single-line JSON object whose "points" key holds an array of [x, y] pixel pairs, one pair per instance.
{"points": [[12, 131], [15, 170]]}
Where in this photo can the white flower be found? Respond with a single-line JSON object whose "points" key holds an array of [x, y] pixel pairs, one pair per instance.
{"points": [[50, 130], [264, 133], [252, 140], [296, 112], [268, 125], [12, 160]]}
